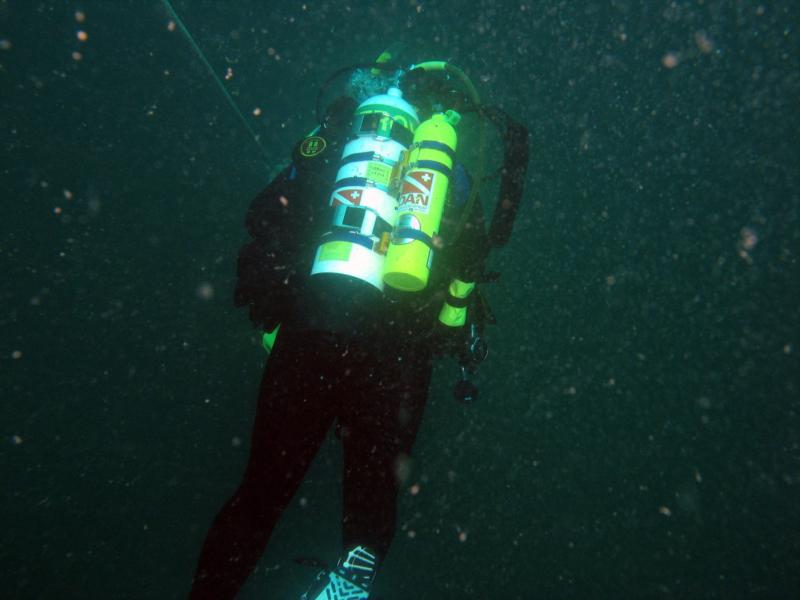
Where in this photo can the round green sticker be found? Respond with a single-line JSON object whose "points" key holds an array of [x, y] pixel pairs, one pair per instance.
{"points": [[312, 146]]}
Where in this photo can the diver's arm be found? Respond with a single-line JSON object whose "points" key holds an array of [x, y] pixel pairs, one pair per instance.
{"points": [[470, 249], [282, 218], [466, 261], [264, 267]]}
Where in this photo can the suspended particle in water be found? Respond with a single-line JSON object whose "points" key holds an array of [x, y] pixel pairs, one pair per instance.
{"points": [[414, 489], [77, 56], [80, 16], [670, 60], [171, 26], [67, 195], [748, 238], [236, 441], [82, 36], [56, 210], [256, 112], [5, 44], [229, 74], [16, 440], [664, 510], [205, 291], [16, 354], [704, 43]]}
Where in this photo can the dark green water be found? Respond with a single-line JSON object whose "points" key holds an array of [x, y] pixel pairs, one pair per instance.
{"points": [[637, 434]]}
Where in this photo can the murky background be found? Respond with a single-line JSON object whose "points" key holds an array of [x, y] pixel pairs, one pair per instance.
{"points": [[637, 431]]}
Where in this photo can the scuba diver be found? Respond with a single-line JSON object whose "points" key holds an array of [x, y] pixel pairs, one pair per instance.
{"points": [[362, 268]]}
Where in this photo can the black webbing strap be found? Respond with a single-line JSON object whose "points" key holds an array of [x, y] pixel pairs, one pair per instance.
{"points": [[357, 182], [430, 144], [414, 234], [433, 165], [345, 235], [455, 301]]}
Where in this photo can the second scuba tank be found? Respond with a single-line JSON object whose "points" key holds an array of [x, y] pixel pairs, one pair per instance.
{"points": [[364, 196], [421, 203]]}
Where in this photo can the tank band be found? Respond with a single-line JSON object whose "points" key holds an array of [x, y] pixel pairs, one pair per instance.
{"points": [[431, 145], [414, 234], [365, 156], [456, 302], [358, 182], [344, 235], [433, 165]]}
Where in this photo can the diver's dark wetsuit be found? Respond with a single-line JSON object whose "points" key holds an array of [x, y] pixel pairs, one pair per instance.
{"points": [[345, 354]]}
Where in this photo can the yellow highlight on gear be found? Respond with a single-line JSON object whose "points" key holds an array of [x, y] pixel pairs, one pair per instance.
{"points": [[456, 316]]}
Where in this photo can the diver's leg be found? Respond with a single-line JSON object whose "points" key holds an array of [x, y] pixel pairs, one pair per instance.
{"points": [[378, 430], [292, 419], [382, 400]]}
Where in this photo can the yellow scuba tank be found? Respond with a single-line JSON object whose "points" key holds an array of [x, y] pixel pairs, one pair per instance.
{"points": [[421, 203], [364, 197]]}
